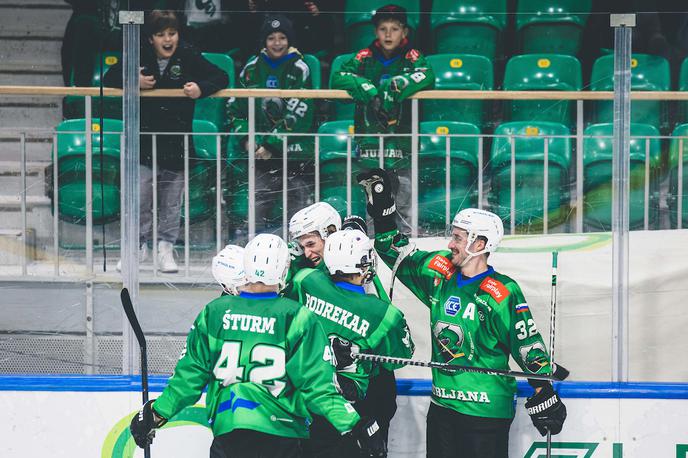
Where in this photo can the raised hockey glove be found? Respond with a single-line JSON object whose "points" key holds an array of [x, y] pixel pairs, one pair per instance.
{"points": [[367, 435], [341, 352], [144, 423], [355, 222], [546, 410], [379, 188]]}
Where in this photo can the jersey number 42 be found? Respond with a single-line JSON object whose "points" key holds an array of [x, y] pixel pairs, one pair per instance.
{"points": [[267, 366]]}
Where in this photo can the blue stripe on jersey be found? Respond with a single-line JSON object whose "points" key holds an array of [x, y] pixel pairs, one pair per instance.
{"points": [[247, 295], [467, 281], [351, 287]]}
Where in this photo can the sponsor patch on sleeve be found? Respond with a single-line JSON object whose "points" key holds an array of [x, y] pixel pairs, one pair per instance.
{"points": [[442, 265], [412, 55], [363, 53], [495, 288]]}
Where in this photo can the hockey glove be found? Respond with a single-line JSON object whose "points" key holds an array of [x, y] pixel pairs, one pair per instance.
{"points": [[379, 187], [348, 388], [559, 373], [369, 438], [355, 222], [341, 353], [144, 423], [546, 410], [375, 115]]}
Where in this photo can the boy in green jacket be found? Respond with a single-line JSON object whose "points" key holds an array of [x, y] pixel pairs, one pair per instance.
{"points": [[380, 78]]}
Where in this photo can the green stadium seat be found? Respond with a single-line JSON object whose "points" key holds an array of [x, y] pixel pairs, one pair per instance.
{"points": [[468, 26], [551, 26], [71, 168], [463, 171], [342, 109], [683, 86], [597, 176], [673, 198], [202, 181], [359, 30], [316, 70], [333, 151], [459, 72], [542, 72], [648, 73], [529, 144], [112, 106], [213, 108]]}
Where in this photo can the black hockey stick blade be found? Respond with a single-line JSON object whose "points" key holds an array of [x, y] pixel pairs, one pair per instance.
{"points": [[131, 316], [451, 367]]}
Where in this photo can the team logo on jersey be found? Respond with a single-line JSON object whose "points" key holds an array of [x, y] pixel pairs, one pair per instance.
{"points": [[442, 265], [175, 71], [449, 339], [363, 53], [452, 306], [534, 357], [272, 82], [495, 288], [412, 55]]}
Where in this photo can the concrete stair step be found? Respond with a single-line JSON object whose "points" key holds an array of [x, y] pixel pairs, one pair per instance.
{"points": [[38, 149], [30, 77], [30, 112], [26, 52], [23, 19], [11, 182]]}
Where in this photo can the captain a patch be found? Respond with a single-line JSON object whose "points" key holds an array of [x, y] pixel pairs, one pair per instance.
{"points": [[452, 306]]}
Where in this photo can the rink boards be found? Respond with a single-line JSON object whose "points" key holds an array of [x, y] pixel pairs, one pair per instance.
{"points": [[88, 416]]}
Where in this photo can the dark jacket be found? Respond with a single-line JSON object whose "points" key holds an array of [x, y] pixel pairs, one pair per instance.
{"points": [[171, 114]]}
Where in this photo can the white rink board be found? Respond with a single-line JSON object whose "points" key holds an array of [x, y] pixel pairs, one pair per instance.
{"points": [[76, 424]]}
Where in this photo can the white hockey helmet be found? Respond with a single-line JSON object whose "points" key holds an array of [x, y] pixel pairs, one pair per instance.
{"points": [[228, 268], [314, 218], [480, 223], [350, 252], [266, 260]]}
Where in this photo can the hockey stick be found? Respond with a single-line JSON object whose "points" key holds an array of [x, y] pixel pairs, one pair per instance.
{"points": [[552, 323], [403, 252], [450, 367], [138, 332]]}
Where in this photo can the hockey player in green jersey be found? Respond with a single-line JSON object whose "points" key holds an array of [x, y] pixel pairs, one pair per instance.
{"points": [[228, 269], [278, 65], [261, 358], [354, 321], [478, 317], [380, 78]]}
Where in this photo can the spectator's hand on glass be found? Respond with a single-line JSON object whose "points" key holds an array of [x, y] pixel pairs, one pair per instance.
{"points": [[192, 90], [146, 81], [263, 153], [312, 7]]}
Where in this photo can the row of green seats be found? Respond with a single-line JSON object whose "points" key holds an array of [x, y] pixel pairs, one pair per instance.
{"points": [[528, 144], [71, 171], [475, 26]]}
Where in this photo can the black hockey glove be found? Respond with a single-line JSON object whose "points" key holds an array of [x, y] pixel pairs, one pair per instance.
{"points": [[546, 410], [144, 423], [369, 439], [379, 188], [348, 388], [355, 222], [375, 115], [341, 353], [559, 372]]}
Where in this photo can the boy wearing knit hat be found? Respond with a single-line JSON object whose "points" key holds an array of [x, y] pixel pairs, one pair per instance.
{"points": [[380, 78], [278, 65]]}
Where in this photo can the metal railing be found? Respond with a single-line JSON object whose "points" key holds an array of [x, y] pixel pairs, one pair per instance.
{"points": [[481, 183]]}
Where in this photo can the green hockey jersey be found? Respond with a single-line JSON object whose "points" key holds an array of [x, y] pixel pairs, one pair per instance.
{"points": [[274, 115], [346, 311], [478, 321], [369, 74], [262, 358]]}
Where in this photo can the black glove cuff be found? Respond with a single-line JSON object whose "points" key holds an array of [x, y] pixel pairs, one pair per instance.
{"points": [[385, 224]]}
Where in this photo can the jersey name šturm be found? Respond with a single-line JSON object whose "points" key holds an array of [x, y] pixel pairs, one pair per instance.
{"points": [[261, 357]]}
